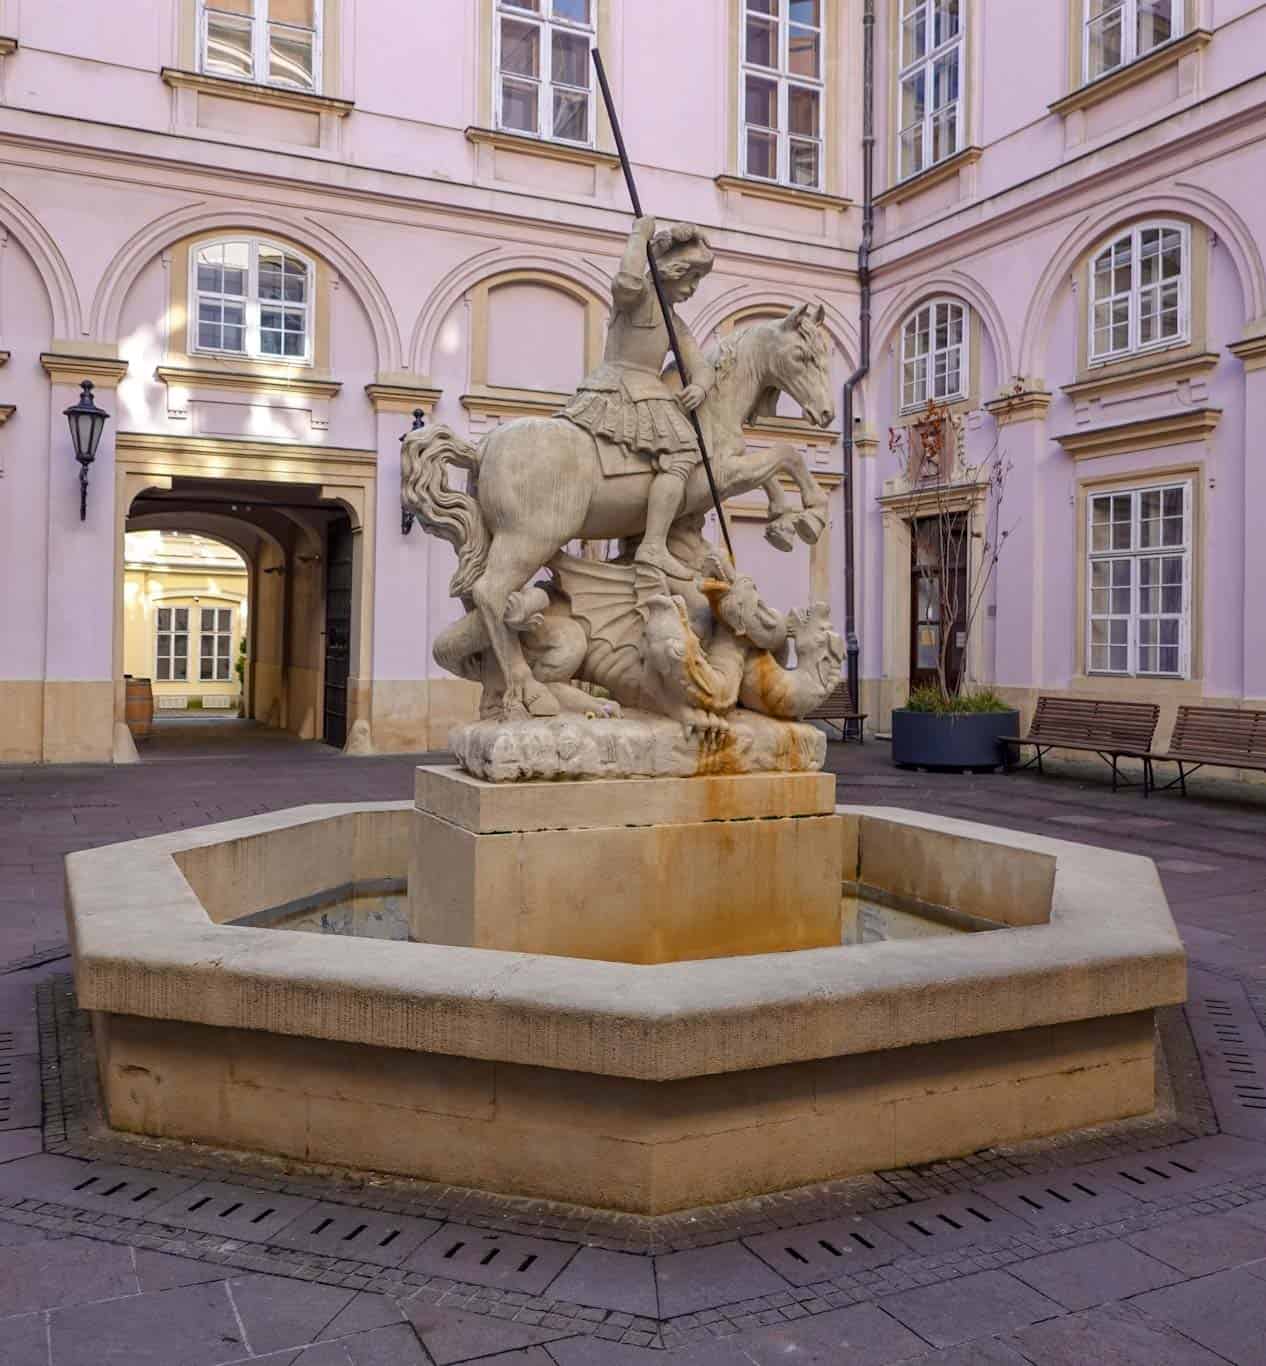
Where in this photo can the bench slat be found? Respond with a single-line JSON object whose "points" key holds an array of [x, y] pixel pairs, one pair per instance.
{"points": [[1231, 736], [1093, 723]]}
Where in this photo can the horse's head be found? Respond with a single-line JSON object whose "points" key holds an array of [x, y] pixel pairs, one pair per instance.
{"points": [[796, 359]]}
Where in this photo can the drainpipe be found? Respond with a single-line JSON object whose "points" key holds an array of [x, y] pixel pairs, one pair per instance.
{"points": [[852, 644]]}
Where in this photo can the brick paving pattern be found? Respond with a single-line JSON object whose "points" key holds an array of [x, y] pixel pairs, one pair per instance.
{"points": [[1140, 1242]]}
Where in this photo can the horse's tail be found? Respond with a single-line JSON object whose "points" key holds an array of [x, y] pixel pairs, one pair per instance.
{"points": [[452, 514]]}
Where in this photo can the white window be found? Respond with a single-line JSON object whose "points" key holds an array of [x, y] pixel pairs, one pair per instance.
{"points": [[544, 72], [1120, 31], [251, 298], [269, 42], [171, 652], [934, 354], [782, 97], [215, 648], [1140, 581], [1139, 291], [931, 78]]}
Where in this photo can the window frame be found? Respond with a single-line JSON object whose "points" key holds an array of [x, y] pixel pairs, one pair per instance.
{"points": [[926, 66], [170, 656], [785, 81], [1129, 37], [1134, 347], [545, 20], [216, 635], [1135, 555], [260, 26], [252, 303], [964, 349]]}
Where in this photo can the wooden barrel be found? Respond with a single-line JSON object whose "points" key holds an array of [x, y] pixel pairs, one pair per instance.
{"points": [[139, 708]]}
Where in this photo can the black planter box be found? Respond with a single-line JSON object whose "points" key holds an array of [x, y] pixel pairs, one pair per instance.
{"points": [[970, 740]]}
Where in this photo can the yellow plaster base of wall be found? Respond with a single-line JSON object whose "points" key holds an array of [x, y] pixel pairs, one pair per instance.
{"points": [[21, 736], [408, 717], [617, 1142], [56, 722]]}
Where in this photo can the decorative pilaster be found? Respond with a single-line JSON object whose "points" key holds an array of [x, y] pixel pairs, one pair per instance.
{"points": [[1251, 349]]}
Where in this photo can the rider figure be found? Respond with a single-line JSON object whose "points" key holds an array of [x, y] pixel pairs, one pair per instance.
{"points": [[625, 402]]}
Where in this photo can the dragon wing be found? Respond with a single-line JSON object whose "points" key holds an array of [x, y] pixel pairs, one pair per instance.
{"points": [[609, 598]]}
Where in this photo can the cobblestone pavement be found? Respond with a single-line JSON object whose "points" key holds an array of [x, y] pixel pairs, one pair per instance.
{"points": [[1141, 1243]]}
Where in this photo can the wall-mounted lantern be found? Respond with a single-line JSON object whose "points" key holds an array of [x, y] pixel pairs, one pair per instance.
{"points": [[87, 422], [406, 516]]}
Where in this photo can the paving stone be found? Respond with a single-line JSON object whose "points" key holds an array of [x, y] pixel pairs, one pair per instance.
{"points": [[1113, 1335], [221, 1208], [323, 1354], [18, 1235], [365, 1311], [489, 1257], [1225, 1312], [63, 1271], [24, 1340], [863, 1335], [585, 1351], [192, 1326], [609, 1280], [708, 1277], [1199, 1246], [277, 1312], [15, 1143], [161, 1271], [982, 1352], [987, 1303], [451, 1336], [1081, 1277]]}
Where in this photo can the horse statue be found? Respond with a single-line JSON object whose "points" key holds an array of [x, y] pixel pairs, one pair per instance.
{"points": [[536, 484]]}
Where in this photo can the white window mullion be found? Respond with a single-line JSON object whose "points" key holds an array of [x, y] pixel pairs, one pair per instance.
{"points": [[261, 41]]}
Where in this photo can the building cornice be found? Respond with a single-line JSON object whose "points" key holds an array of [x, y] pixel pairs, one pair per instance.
{"points": [[540, 147], [1027, 400], [73, 367], [499, 402], [799, 431], [781, 194], [1251, 348], [934, 497], [254, 381], [934, 175], [1085, 96], [202, 448], [1154, 370], [8, 46], [1178, 428], [403, 392], [255, 94]]}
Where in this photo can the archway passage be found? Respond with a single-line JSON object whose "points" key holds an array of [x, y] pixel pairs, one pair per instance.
{"points": [[239, 607]]}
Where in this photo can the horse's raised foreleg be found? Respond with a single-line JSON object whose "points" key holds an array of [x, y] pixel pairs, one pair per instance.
{"points": [[810, 521]]}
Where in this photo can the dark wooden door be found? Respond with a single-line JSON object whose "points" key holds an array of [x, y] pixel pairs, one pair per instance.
{"points": [[338, 630], [930, 543]]}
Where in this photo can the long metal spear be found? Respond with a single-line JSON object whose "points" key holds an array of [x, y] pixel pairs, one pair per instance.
{"points": [[664, 306]]}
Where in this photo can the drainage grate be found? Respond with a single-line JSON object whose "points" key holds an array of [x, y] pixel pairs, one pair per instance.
{"points": [[1061, 1198], [128, 1191], [236, 1211], [360, 1235], [505, 1260], [835, 1247], [950, 1221], [19, 1092], [1157, 1174]]}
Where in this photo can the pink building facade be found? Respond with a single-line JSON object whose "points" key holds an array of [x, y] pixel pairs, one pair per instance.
{"points": [[269, 231]]}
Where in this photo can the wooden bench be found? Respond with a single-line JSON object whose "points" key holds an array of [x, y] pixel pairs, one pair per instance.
{"points": [[1224, 737], [837, 711], [1112, 730]]}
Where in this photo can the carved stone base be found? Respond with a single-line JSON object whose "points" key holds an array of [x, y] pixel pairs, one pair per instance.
{"points": [[636, 745]]}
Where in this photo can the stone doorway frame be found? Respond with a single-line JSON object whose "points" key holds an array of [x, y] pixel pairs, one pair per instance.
{"points": [[342, 475]]}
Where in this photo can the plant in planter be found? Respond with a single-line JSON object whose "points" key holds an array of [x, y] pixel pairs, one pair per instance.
{"points": [[950, 721]]}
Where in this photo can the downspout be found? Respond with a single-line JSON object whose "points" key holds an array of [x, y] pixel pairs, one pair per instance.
{"points": [[852, 644]]}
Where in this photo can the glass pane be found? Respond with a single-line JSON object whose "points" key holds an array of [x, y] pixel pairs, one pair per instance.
{"points": [[764, 7], [163, 672], [180, 670], [761, 103], [208, 618], [246, 7], [520, 48], [1171, 253], [947, 21], [533, 5], [914, 32], [229, 47], [206, 670], [945, 80], [806, 12], [1155, 24], [182, 618], [804, 56], [164, 618], [519, 106], [804, 163], [298, 12], [570, 59], [913, 99], [944, 133], [802, 111], [571, 115], [762, 154], [207, 649], [290, 57], [1104, 46], [577, 11], [762, 42]]}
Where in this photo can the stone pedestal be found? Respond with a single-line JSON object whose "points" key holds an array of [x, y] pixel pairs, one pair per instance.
{"points": [[650, 870]]}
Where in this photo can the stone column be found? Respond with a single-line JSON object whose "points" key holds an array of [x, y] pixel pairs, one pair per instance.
{"points": [[1251, 349], [1020, 413], [83, 595]]}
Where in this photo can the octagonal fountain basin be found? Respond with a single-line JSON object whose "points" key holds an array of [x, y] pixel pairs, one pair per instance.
{"points": [[981, 987]]}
